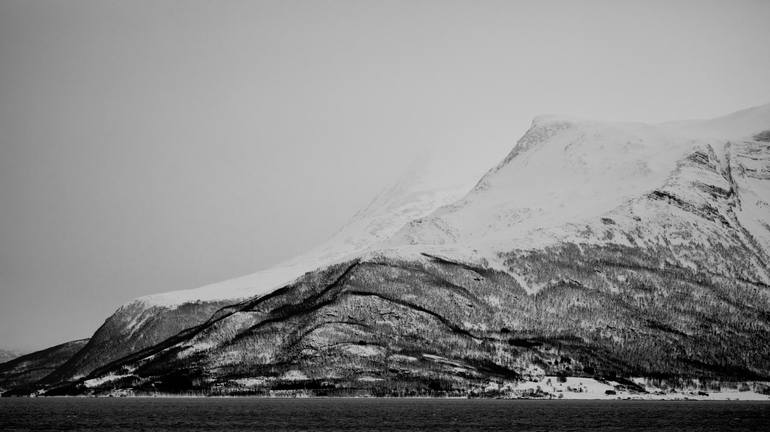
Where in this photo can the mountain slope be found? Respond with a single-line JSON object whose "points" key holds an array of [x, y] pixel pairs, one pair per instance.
{"points": [[7, 355], [30, 368], [385, 326], [131, 328], [429, 184], [566, 171], [593, 249]]}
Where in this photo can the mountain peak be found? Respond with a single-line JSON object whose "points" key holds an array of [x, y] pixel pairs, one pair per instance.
{"points": [[543, 120], [563, 169], [647, 243]]}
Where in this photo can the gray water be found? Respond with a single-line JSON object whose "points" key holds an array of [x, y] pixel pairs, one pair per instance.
{"points": [[253, 414]]}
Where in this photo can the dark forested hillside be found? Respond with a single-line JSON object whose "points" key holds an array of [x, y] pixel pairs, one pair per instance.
{"points": [[22, 372], [388, 327]]}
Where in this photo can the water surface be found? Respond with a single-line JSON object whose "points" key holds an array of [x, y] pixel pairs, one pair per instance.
{"points": [[254, 414]]}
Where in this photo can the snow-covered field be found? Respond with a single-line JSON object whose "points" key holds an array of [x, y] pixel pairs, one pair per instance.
{"points": [[551, 387]]}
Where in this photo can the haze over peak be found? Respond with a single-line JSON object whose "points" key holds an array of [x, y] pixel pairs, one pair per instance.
{"points": [[741, 124], [563, 170]]}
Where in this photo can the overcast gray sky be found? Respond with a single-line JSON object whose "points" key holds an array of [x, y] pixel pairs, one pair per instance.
{"points": [[148, 146]]}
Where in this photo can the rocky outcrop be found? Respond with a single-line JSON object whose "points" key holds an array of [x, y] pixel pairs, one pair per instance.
{"points": [[131, 328]]}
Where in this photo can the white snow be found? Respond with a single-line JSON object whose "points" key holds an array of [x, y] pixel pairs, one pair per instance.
{"points": [[432, 182], [551, 387], [566, 171], [242, 287], [369, 379], [563, 175], [95, 382], [252, 382], [582, 170], [754, 187], [294, 375], [563, 171], [364, 350]]}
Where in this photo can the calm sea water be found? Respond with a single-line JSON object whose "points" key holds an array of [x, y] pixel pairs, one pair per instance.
{"points": [[252, 414]]}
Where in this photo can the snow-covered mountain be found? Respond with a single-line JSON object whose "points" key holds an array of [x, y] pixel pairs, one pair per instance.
{"points": [[566, 171], [562, 171], [592, 249], [27, 369], [432, 181]]}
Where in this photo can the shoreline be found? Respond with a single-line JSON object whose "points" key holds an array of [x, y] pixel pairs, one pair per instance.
{"points": [[536, 388], [760, 398]]}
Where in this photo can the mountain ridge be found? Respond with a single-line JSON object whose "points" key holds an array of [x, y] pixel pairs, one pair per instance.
{"points": [[510, 276]]}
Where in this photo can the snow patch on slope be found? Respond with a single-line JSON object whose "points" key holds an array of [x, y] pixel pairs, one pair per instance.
{"points": [[432, 182], [237, 288]]}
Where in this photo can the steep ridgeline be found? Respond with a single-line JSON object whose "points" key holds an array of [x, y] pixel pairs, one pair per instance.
{"points": [[149, 320], [131, 328], [6, 355], [22, 372], [606, 250]]}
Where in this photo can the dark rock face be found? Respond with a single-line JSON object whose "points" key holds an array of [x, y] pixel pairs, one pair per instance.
{"points": [[131, 328], [439, 327], [28, 369]]}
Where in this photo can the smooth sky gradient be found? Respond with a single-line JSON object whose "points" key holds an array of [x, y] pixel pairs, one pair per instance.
{"points": [[149, 146]]}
